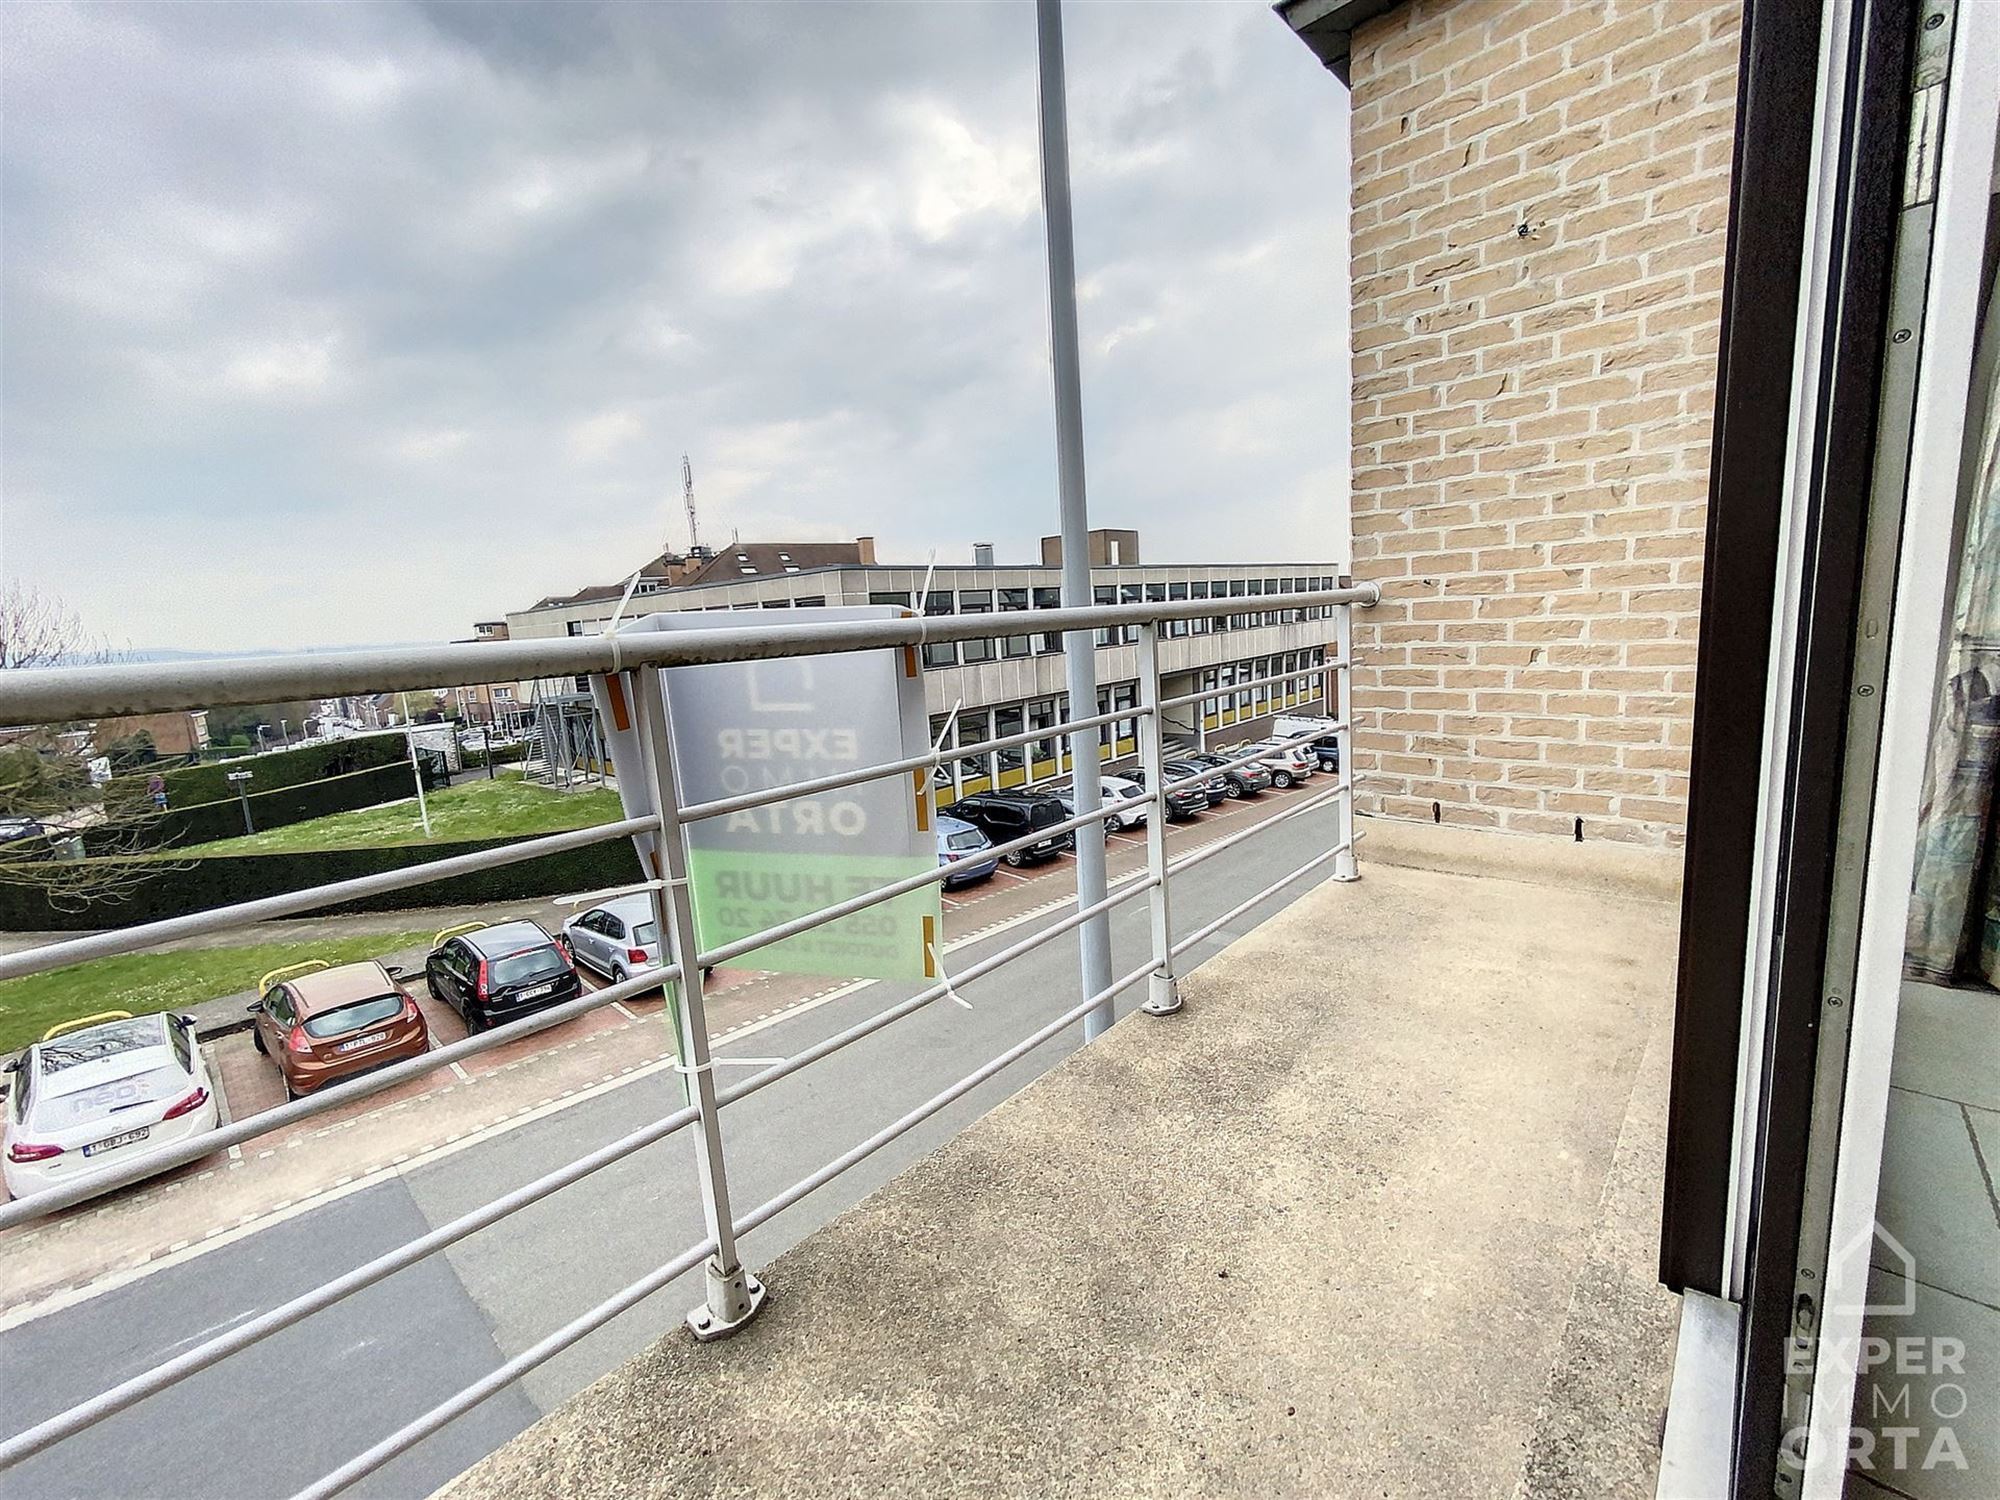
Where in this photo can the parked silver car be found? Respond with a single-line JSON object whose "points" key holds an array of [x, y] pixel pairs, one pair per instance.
{"points": [[617, 939]]}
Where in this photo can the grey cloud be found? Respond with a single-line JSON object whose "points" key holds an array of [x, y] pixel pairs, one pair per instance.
{"points": [[361, 322]]}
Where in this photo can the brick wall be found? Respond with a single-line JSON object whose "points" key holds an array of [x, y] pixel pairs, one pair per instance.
{"points": [[1541, 196]]}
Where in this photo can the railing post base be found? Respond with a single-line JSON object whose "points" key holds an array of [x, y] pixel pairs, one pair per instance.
{"points": [[1163, 994], [1344, 867], [734, 1298]]}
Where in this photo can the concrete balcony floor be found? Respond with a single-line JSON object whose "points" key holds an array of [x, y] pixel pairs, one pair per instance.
{"points": [[1376, 1214]]}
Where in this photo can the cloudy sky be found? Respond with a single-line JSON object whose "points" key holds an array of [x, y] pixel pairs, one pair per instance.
{"points": [[329, 324]]}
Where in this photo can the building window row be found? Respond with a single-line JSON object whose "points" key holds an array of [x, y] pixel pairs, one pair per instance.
{"points": [[937, 602], [1242, 691]]}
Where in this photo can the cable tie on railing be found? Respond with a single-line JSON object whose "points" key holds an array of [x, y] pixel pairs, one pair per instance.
{"points": [[944, 975], [950, 724], [727, 1062], [592, 898], [924, 600]]}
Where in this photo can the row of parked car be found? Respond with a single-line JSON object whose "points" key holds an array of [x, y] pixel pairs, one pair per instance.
{"points": [[100, 1091], [94, 1093], [974, 824]]}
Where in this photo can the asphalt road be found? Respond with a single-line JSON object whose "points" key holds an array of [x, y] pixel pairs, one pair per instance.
{"points": [[279, 1415]]}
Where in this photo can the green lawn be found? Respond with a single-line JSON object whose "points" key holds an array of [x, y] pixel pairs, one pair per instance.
{"points": [[506, 807], [145, 982]]}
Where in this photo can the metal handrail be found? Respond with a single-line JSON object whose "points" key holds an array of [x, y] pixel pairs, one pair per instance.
{"points": [[143, 935], [1254, 758], [1231, 689], [941, 756], [715, 957], [57, 694], [725, 1228], [201, 1356]]}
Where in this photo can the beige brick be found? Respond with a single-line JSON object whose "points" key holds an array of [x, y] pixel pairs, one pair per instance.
{"points": [[1531, 415]]}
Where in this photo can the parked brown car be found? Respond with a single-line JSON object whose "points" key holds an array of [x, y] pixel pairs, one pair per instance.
{"points": [[331, 1023]]}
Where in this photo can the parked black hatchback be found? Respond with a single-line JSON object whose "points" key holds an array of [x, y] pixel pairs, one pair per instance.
{"points": [[491, 975], [1006, 816]]}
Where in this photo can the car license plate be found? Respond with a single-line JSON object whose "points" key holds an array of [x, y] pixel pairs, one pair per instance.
{"points": [[118, 1140], [362, 1041], [537, 992]]}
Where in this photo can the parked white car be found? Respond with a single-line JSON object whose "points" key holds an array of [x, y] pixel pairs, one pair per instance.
{"points": [[1117, 789], [81, 1102], [618, 939]]}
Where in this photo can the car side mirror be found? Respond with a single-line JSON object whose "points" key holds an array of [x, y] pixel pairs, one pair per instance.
{"points": [[253, 1007], [187, 1019], [396, 971]]}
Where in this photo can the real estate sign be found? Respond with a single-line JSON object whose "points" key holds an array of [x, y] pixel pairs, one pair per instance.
{"points": [[749, 726]]}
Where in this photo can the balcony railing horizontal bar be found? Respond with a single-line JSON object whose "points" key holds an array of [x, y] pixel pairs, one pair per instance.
{"points": [[513, 1369], [169, 1372], [767, 795], [506, 1373], [144, 935], [1231, 689], [1209, 929], [891, 1014], [1252, 758], [249, 1128], [775, 1206], [895, 888], [59, 694], [1208, 851]]}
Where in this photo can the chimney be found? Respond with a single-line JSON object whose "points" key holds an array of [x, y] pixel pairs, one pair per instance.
{"points": [[865, 545], [982, 554]]}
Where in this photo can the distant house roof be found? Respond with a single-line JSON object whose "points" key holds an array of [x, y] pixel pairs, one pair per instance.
{"points": [[663, 568], [729, 565], [762, 559]]}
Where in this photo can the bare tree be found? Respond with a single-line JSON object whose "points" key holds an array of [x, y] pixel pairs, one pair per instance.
{"points": [[41, 630], [48, 803]]}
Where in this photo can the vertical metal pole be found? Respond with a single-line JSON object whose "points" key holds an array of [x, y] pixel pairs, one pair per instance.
{"points": [[417, 774], [1163, 994], [1344, 867], [733, 1294], [1079, 646]]}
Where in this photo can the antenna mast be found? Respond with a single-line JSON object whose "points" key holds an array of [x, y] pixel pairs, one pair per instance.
{"points": [[687, 493]]}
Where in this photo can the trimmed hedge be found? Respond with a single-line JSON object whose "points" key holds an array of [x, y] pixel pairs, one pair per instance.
{"points": [[205, 821], [209, 781], [199, 884]]}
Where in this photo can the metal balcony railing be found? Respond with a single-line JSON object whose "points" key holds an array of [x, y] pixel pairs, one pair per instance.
{"points": [[61, 696]]}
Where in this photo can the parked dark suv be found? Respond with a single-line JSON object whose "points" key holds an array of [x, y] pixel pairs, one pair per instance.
{"points": [[1239, 781], [1182, 802], [1006, 816], [491, 975]]}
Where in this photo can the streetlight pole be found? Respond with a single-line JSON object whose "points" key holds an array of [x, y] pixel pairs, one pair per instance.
{"points": [[1079, 646]]}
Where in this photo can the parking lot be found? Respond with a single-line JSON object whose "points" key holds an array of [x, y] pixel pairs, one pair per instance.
{"points": [[245, 1188]]}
